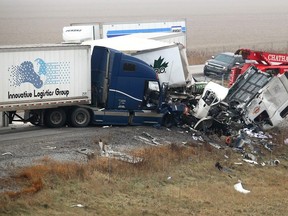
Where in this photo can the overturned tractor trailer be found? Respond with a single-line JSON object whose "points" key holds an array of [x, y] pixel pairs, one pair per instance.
{"points": [[256, 99], [57, 85]]}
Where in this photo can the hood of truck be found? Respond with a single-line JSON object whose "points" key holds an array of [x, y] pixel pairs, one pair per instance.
{"points": [[214, 62]]}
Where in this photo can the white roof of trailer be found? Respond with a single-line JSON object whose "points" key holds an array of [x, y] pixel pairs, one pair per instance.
{"points": [[128, 43]]}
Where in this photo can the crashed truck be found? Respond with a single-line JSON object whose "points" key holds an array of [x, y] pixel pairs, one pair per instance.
{"points": [[169, 60], [67, 84], [256, 99], [161, 44]]}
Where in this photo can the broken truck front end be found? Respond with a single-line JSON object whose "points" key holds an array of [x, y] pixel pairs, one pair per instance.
{"points": [[269, 107]]}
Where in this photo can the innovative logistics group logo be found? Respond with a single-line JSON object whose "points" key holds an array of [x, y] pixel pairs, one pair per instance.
{"points": [[42, 75], [160, 65]]}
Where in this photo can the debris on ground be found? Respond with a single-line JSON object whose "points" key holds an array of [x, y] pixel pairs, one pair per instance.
{"points": [[106, 151], [86, 151], [77, 205], [49, 147], [148, 139], [238, 187], [7, 153]]}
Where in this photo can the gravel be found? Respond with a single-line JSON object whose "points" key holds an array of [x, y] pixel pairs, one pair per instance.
{"points": [[27, 145]]}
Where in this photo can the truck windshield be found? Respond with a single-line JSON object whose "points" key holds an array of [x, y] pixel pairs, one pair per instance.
{"points": [[224, 58]]}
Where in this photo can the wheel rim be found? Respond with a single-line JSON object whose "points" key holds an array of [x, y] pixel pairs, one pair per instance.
{"points": [[81, 118], [56, 118]]}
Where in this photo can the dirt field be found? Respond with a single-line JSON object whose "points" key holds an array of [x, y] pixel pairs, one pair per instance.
{"points": [[218, 25]]}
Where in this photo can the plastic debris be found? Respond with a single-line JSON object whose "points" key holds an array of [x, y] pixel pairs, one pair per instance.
{"points": [[238, 187], [78, 205]]}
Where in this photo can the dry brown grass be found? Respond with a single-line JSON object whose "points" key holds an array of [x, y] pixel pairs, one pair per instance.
{"points": [[171, 180]]}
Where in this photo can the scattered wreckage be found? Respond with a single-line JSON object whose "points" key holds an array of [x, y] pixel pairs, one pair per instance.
{"points": [[257, 99]]}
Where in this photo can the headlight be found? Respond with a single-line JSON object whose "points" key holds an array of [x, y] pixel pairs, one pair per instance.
{"points": [[206, 63], [224, 68]]}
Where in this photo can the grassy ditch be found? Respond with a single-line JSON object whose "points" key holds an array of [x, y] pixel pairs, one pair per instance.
{"points": [[170, 180]]}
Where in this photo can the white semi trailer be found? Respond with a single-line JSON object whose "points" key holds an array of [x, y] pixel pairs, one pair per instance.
{"points": [[158, 30], [44, 75]]}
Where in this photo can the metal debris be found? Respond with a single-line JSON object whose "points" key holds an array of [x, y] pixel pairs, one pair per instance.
{"points": [[86, 151], [250, 161], [123, 157], [49, 147], [7, 153], [215, 145], [148, 139], [106, 151], [221, 168], [271, 163]]}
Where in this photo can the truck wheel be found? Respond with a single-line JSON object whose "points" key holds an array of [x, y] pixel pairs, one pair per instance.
{"points": [[80, 117], [35, 119], [168, 121], [55, 118]]}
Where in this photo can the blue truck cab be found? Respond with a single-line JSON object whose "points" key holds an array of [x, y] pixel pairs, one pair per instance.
{"points": [[125, 90]]}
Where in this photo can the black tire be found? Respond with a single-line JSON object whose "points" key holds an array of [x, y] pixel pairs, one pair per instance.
{"points": [[35, 119], [55, 118], [168, 121], [80, 117], [206, 73]]}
